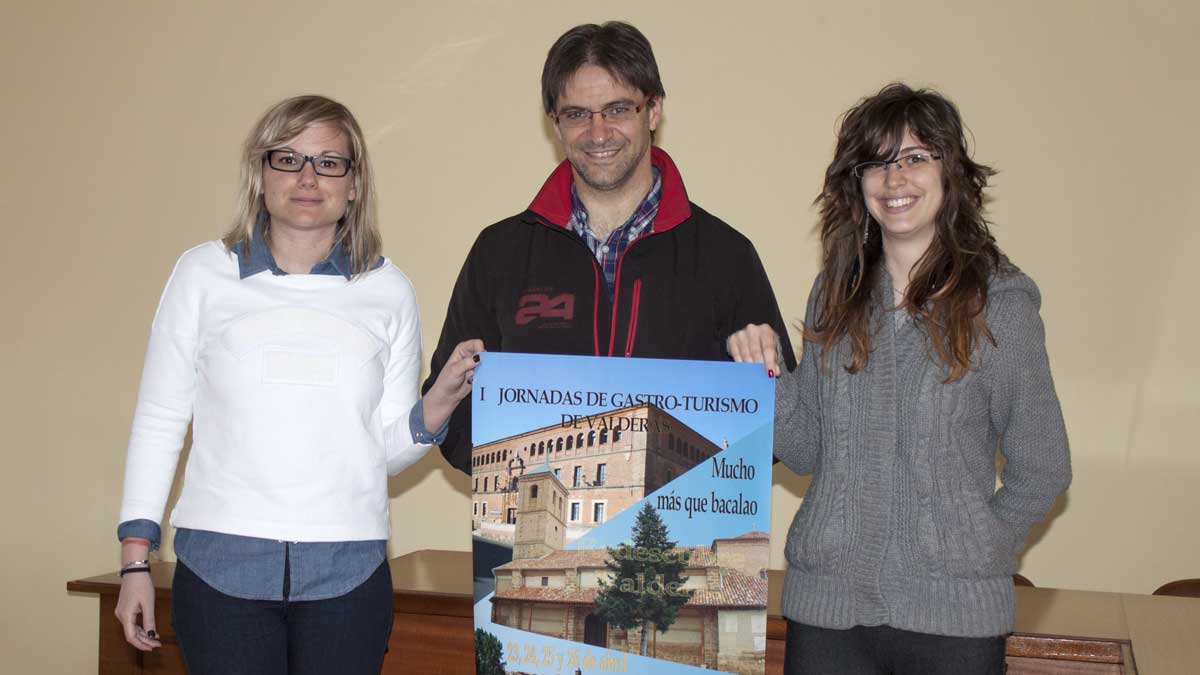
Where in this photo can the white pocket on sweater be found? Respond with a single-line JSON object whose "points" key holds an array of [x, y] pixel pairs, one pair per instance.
{"points": [[301, 345], [289, 366]]}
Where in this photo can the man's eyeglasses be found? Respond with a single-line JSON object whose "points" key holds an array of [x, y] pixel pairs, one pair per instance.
{"points": [[573, 118], [918, 160], [330, 166]]}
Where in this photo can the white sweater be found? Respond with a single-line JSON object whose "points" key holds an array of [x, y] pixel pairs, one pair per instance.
{"points": [[299, 389]]}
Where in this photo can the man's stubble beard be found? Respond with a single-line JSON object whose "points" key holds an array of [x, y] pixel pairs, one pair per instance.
{"points": [[621, 173]]}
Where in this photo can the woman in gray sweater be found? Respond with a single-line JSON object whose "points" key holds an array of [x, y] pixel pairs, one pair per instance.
{"points": [[924, 354]]}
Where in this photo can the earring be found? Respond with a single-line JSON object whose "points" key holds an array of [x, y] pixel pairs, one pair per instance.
{"points": [[867, 228]]}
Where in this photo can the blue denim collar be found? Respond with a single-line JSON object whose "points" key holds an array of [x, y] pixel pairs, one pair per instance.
{"points": [[259, 259]]}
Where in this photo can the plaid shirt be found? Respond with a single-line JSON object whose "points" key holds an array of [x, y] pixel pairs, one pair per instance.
{"points": [[608, 251]]}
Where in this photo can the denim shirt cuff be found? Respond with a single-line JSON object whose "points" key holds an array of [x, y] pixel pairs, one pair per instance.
{"points": [[141, 529], [416, 424]]}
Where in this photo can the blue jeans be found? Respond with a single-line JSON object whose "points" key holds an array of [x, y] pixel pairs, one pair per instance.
{"points": [[223, 635], [883, 650]]}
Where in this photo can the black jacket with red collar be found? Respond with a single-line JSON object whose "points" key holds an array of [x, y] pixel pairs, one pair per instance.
{"points": [[530, 284]]}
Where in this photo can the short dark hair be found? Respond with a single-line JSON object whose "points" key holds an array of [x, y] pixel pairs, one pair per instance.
{"points": [[615, 46]]}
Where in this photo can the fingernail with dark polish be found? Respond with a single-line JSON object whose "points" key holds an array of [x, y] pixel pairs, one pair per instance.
{"points": [[770, 373], [476, 358]]}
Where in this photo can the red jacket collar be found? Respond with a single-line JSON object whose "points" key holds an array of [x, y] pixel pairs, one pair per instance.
{"points": [[553, 201]]}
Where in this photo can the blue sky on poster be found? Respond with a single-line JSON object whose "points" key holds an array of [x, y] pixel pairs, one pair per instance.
{"points": [[623, 377]]}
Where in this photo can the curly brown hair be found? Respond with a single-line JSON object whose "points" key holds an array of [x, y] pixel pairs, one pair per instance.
{"points": [[947, 293]]}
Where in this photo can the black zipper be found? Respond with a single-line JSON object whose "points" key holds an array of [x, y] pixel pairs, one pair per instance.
{"points": [[287, 572]]}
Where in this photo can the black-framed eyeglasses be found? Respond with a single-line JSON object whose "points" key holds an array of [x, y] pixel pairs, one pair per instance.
{"points": [[917, 160], [330, 166], [573, 118]]}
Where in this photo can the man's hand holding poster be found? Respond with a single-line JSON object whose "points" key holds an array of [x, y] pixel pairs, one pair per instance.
{"points": [[620, 515]]}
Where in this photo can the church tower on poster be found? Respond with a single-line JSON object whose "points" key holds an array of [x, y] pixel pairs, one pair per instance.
{"points": [[541, 503]]}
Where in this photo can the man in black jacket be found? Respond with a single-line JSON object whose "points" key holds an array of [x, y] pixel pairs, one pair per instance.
{"points": [[610, 258]]}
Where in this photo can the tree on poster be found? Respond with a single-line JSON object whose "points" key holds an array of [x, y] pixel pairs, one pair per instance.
{"points": [[646, 587], [489, 655]]}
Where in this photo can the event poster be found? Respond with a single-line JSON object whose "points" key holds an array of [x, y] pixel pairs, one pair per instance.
{"points": [[620, 515]]}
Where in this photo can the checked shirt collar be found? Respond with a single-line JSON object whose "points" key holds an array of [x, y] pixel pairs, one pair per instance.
{"points": [[608, 250]]}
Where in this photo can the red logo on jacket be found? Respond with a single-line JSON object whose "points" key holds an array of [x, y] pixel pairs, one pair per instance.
{"points": [[537, 304]]}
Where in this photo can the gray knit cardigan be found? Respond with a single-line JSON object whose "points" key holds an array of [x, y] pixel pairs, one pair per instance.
{"points": [[902, 524]]}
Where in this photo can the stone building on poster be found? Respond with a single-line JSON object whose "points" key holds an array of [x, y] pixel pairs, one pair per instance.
{"points": [[723, 626], [606, 462]]}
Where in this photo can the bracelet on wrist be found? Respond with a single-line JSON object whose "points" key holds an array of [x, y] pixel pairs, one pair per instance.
{"points": [[135, 563], [133, 570]]}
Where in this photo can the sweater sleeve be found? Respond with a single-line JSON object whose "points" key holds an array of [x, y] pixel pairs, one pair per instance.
{"points": [[1025, 413], [471, 314], [797, 406], [400, 379], [165, 396]]}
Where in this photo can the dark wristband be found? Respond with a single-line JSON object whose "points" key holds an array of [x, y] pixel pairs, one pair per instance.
{"points": [[131, 570]]}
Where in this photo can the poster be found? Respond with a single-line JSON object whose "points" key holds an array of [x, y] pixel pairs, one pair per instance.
{"points": [[620, 514]]}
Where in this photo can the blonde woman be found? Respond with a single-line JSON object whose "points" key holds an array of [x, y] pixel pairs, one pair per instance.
{"points": [[293, 348]]}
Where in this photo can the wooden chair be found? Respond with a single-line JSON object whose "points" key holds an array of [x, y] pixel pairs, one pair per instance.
{"points": [[1183, 588], [1019, 580]]}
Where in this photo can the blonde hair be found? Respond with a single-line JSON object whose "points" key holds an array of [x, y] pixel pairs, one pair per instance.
{"points": [[357, 230]]}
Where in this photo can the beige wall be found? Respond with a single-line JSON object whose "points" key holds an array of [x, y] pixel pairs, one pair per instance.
{"points": [[119, 139]]}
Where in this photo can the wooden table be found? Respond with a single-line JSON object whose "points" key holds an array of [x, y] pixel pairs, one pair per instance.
{"points": [[1057, 631]]}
